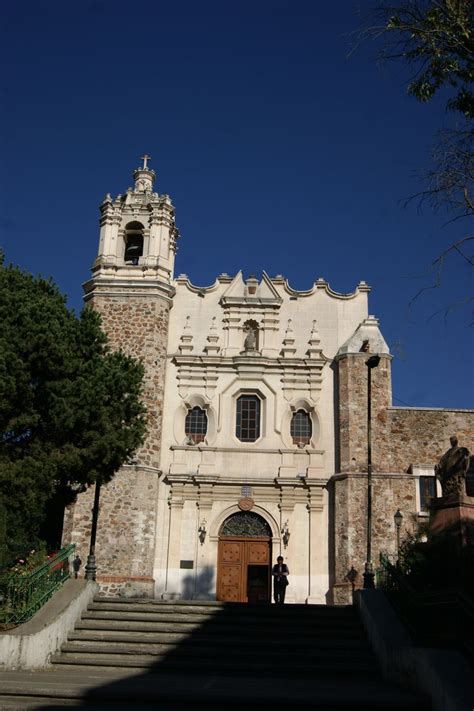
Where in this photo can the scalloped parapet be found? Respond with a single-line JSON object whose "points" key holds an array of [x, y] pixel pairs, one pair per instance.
{"points": [[239, 287], [322, 284], [321, 319]]}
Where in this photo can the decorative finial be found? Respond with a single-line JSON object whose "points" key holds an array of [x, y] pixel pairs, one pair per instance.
{"points": [[212, 346], [314, 350], [186, 339], [145, 160], [288, 350]]}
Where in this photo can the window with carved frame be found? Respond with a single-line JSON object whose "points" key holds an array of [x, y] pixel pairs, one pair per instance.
{"points": [[301, 428], [195, 425], [248, 418]]}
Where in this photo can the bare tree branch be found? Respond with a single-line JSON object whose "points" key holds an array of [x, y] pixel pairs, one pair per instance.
{"points": [[436, 39], [438, 265]]}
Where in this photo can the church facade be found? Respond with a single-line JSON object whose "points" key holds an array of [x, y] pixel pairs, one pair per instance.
{"points": [[257, 398]]}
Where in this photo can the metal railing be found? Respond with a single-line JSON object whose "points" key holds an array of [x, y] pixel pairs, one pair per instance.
{"points": [[441, 617], [21, 595]]}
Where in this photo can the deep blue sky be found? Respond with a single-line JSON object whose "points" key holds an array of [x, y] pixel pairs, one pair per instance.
{"points": [[280, 153]]}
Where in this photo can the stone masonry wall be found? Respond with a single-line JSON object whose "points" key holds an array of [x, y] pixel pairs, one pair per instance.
{"points": [[400, 437], [352, 377], [138, 324], [126, 531], [389, 493], [421, 436]]}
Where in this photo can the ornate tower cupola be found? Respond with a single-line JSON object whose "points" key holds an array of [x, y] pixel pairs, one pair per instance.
{"points": [[137, 233], [144, 176]]}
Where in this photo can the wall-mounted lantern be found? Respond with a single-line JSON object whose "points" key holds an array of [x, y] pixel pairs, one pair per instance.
{"points": [[202, 532], [285, 534], [398, 518]]}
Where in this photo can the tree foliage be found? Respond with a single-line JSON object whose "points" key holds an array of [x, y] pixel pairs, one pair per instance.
{"points": [[440, 562], [436, 37], [70, 409]]}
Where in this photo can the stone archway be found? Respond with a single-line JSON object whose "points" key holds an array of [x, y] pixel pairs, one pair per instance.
{"points": [[244, 559]]}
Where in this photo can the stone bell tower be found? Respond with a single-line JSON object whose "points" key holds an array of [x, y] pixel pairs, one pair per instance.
{"points": [[131, 288]]}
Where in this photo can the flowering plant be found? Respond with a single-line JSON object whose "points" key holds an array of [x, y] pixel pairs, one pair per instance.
{"points": [[35, 557]]}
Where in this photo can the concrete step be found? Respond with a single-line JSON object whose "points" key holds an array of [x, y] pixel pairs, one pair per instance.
{"points": [[216, 604], [354, 646], [219, 665], [220, 617], [210, 609], [129, 653], [127, 689], [210, 651], [220, 626], [235, 618]]}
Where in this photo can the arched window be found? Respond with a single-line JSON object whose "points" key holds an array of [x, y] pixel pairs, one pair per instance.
{"points": [[195, 426], [245, 524], [133, 243], [248, 418], [300, 428]]}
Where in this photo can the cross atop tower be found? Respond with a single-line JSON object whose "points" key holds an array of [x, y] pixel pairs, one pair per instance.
{"points": [[144, 176], [145, 160]]}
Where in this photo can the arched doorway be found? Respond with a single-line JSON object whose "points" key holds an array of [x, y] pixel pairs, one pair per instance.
{"points": [[244, 559]]}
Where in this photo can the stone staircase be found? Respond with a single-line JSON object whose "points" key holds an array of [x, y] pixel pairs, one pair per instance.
{"points": [[125, 653]]}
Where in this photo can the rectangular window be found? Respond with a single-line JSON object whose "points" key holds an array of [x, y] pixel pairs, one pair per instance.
{"points": [[427, 491], [248, 418]]}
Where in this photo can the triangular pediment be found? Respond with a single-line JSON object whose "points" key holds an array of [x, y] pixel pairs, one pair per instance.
{"points": [[251, 292], [236, 288], [266, 290]]}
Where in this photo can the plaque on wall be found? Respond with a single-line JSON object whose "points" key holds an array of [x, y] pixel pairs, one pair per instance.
{"points": [[187, 564], [246, 503]]}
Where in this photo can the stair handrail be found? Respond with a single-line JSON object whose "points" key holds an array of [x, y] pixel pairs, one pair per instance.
{"points": [[22, 595]]}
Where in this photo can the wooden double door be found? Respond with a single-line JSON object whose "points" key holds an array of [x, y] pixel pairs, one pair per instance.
{"points": [[244, 569]]}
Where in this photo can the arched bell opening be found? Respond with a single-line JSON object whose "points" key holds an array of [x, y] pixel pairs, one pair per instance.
{"points": [[244, 559], [133, 243]]}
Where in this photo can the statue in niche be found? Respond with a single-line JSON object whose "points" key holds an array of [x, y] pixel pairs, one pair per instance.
{"points": [[250, 343], [452, 468]]}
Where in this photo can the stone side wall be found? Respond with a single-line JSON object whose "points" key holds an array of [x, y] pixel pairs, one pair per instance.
{"points": [[138, 324], [400, 437], [414, 436], [352, 411], [126, 531], [389, 493]]}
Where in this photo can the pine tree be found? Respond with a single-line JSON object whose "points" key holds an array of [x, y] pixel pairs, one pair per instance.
{"points": [[70, 409]]}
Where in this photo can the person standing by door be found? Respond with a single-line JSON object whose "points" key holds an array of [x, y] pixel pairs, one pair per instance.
{"points": [[280, 574]]}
